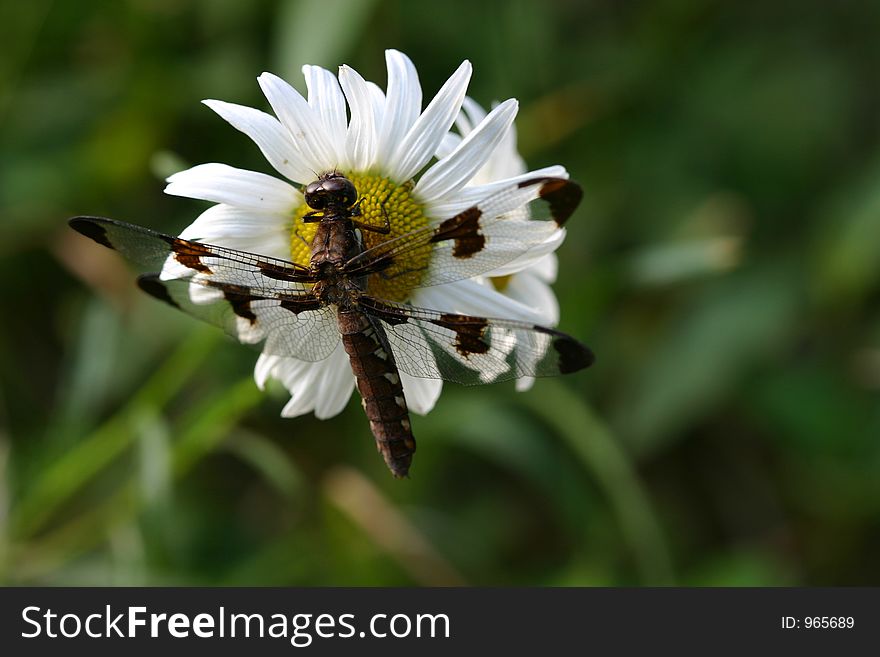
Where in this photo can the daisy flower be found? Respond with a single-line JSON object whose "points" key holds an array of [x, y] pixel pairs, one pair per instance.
{"points": [[405, 167]]}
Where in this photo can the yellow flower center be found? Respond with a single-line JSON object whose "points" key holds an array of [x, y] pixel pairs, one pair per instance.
{"points": [[500, 283], [383, 202]]}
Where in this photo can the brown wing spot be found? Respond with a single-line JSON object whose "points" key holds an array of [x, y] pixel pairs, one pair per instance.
{"points": [[387, 313], [469, 332], [190, 254], [300, 304], [273, 271], [241, 304], [562, 195], [91, 230], [151, 284], [464, 228]]}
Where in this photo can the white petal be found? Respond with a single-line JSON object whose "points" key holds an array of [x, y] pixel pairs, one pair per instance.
{"points": [[227, 220], [450, 143], [377, 96], [247, 332], [470, 297], [361, 140], [504, 163], [272, 138], [298, 377], [403, 102], [246, 230], [328, 103], [421, 394], [449, 205], [526, 288], [299, 118], [245, 189], [264, 367], [451, 173], [172, 269], [335, 385], [546, 268], [416, 149], [535, 255], [204, 295], [472, 114], [505, 160], [463, 121], [323, 387], [525, 383]]}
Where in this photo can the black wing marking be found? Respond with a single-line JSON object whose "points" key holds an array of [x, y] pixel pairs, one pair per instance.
{"points": [[179, 258], [484, 237], [472, 350], [290, 324]]}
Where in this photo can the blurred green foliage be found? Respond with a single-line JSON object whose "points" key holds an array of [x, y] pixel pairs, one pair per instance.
{"points": [[725, 266]]}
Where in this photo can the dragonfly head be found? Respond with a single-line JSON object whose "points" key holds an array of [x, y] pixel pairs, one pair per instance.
{"points": [[330, 191]]}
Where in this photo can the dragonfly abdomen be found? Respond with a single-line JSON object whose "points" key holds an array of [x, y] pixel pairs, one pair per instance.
{"points": [[378, 381]]}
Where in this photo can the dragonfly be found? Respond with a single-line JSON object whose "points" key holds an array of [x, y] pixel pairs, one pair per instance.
{"points": [[303, 311]]}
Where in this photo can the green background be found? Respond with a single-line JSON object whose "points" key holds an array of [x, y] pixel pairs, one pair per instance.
{"points": [[724, 266]]}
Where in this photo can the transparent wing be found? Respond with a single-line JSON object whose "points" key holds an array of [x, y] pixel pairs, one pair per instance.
{"points": [[290, 325], [178, 258], [486, 236], [255, 299], [472, 350]]}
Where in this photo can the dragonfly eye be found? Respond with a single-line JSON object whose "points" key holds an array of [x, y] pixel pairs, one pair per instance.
{"points": [[334, 190], [315, 195], [316, 200], [347, 192]]}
